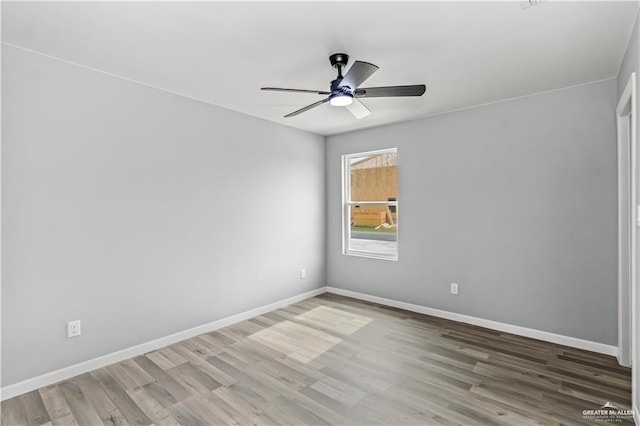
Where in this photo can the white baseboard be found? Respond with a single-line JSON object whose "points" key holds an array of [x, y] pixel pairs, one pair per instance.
{"points": [[494, 325], [102, 361]]}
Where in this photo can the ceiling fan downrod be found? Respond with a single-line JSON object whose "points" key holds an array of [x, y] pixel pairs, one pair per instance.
{"points": [[339, 60]]}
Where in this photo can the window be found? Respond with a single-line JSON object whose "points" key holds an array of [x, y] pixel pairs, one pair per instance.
{"points": [[370, 204]]}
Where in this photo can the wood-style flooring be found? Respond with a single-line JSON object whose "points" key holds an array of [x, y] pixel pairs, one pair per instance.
{"points": [[339, 361]]}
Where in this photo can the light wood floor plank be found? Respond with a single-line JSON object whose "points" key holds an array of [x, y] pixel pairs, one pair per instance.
{"points": [[35, 411], [105, 408], [13, 412], [149, 405], [81, 407], [129, 409], [57, 407]]}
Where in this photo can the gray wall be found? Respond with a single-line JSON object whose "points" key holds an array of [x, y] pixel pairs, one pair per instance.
{"points": [[142, 213], [515, 201]]}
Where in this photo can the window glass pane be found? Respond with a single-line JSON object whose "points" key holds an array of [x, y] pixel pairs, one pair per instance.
{"points": [[373, 229], [374, 177]]}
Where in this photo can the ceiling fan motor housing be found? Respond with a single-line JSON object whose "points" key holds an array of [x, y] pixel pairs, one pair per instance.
{"points": [[335, 86]]}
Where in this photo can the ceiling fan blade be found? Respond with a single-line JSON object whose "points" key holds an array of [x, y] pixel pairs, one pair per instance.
{"points": [[390, 91], [358, 109], [307, 108], [357, 74], [280, 89]]}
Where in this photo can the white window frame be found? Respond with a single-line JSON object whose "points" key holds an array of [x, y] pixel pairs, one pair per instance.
{"points": [[347, 203]]}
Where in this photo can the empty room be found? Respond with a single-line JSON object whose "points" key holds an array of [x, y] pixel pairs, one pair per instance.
{"points": [[320, 213]]}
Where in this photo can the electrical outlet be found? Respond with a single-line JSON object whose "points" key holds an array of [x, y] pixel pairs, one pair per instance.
{"points": [[303, 274], [73, 329], [454, 288]]}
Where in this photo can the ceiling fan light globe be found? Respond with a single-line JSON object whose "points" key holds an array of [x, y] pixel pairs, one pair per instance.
{"points": [[341, 99]]}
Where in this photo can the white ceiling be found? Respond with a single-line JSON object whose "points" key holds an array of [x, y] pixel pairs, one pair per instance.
{"points": [[467, 53]]}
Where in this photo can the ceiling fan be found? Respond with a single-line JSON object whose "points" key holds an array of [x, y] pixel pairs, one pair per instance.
{"points": [[345, 90]]}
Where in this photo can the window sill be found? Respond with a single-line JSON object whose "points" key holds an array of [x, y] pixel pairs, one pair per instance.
{"points": [[369, 255]]}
